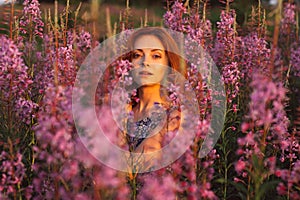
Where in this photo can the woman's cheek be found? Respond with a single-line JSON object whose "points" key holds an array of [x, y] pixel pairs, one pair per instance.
{"points": [[135, 75]]}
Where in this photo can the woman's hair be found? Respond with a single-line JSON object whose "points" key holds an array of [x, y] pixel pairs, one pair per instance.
{"points": [[176, 62]]}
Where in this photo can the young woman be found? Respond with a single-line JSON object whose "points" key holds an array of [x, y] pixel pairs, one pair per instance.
{"points": [[155, 56]]}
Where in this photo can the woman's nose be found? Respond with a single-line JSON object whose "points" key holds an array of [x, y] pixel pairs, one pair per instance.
{"points": [[146, 60]]}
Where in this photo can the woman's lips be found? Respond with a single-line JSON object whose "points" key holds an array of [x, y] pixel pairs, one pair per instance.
{"points": [[145, 73]]}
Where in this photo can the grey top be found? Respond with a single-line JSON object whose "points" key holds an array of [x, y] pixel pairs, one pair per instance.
{"points": [[146, 127]]}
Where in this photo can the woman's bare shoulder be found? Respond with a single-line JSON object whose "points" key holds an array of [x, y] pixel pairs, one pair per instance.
{"points": [[174, 118]]}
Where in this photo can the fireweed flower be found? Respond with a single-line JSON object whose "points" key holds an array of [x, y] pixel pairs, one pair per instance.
{"points": [[205, 188], [31, 17], [122, 68], [223, 51], [290, 181], [84, 41], [122, 78], [295, 60], [25, 110], [158, 187], [66, 58], [81, 43], [14, 79], [55, 121], [60, 146], [199, 33], [190, 184], [288, 20], [231, 76], [43, 72], [184, 172], [105, 178], [240, 166], [267, 103], [63, 59], [56, 137], [122, 40], [173, 94], [66, 65], [186, 184], [266, 124], [197, 29], [200, 30], [12, 173], [175, 18], [288, 41], [199, 72], [15, 87], [43, 75], [255, 55], [225, 54]]}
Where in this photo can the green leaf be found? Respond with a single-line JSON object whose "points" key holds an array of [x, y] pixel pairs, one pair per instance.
{"points": [[239, 187], [265, 187], [220, 180]]}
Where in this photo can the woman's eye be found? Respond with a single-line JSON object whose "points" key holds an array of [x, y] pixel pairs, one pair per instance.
{"points": [[156, 56], [136, 55]]}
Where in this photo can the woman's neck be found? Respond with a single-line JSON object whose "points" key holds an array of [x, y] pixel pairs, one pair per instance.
{"points": [[148, 95]]}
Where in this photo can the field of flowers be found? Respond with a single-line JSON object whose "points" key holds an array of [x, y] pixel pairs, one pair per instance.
{"points": [[257, 155]]}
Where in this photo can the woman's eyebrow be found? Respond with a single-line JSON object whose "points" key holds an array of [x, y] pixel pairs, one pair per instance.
{"points": [[151, 50], [156, 50]]}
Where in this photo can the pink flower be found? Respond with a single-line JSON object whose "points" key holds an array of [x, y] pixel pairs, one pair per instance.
{"points": [[255, 55], [245, 126], [281, 189], [12, 173], [225, 39], [288, 20], [231, 76], [295, 60], [32, 16], [14, 79], [237, 180], [240, 166], [174, 18], [206, 192], [158, 188]]}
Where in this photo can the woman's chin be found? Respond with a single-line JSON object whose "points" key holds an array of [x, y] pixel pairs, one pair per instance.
{"points": [[145, 83]]}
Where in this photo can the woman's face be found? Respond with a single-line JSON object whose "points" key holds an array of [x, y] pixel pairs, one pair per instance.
{"points": [[150, 60]]}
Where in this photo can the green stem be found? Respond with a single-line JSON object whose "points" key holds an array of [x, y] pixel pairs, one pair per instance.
{"points": [[226, 180], [248, 188], [134, 188]]}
